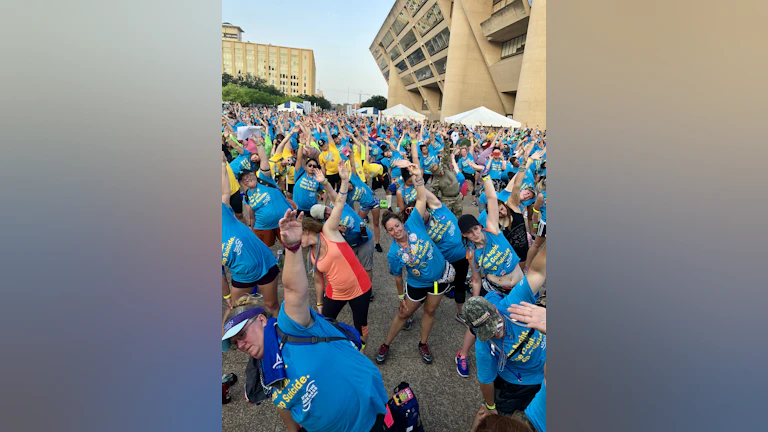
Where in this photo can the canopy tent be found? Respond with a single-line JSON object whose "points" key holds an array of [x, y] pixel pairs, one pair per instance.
{"points": [[401, 112], [291, 106], [368, 111], [485, 116]]}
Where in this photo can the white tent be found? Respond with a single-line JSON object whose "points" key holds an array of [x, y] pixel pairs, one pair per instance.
{"points": [[291, 106], [400, 112], [368, 111], [483, 115]]}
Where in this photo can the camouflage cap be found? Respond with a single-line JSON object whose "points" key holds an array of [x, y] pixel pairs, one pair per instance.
{"points": [[481, 317]]}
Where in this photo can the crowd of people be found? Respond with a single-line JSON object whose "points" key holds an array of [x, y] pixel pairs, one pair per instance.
{"points": [[322, 187]]}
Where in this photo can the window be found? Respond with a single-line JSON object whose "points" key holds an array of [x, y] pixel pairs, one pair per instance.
{"points": [[377, 53], [440, 65], [395, 53], [386, 75], [402, 66], [408, 80], [387, 39], [424, 73], [513, 47], [382, 63], [400, 22], [413, 6], [439, 42], [429, 20], [416, 57], [408, 40]]}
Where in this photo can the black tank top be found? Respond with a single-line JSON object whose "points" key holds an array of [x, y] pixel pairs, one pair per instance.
{"points": [[515, 233]]}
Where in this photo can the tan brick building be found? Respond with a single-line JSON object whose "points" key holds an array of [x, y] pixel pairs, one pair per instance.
{"points": [[443, 57], [292, 70]]}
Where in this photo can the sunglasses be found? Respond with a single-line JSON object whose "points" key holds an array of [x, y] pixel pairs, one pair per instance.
{"points": [[311, 166]]}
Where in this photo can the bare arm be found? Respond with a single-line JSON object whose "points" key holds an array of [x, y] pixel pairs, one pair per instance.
{"points": [[225, 190], [421, 196], [492, 208], [432, 201], [331, 226], [295, 283], [319, 288]]}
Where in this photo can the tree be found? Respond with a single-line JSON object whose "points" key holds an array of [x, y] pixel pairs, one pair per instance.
{"points": [[317, 100], [226, 79], [377, 101]]}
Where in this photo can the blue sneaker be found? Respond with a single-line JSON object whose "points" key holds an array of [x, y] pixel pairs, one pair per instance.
{"points": [[462, 367]]}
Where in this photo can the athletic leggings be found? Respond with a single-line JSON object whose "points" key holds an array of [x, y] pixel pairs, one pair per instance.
{"points": [[359, 306], [460, 282]]}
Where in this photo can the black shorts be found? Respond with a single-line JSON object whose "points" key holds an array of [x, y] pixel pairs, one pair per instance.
{"points": [[290, 187], [542, 231], [267, 278], [420, 294], [521, 251], [512, 397], [334, 180], [236, 202], [381, 182], [427, 177]]}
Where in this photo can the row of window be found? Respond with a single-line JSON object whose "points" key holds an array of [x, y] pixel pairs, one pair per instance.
{"points": [[513, 46]]}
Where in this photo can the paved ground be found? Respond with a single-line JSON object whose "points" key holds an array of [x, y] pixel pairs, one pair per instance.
{"points": [[448, 402]]}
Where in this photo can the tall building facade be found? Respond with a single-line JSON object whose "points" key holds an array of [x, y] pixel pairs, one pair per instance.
{"points": [[292, 70], [444, 57]]}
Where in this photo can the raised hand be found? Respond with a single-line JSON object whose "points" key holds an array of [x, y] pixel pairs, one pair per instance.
{"points": [[290, 227], [319, 176], [344, 170], [538, 154], [414, 170], [532, 316]]}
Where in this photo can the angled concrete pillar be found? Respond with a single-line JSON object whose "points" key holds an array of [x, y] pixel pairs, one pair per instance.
{"points": [[397, 94], [531, 100], [468, 82]]}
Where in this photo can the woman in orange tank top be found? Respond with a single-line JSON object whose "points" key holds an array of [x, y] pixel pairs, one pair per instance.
{"points": [[333, 261]]}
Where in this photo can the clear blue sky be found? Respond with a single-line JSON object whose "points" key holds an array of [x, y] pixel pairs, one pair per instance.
{"points": [[338, 31]]}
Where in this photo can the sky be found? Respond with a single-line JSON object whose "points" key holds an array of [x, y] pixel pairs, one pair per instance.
{"points": [[340, 33]]}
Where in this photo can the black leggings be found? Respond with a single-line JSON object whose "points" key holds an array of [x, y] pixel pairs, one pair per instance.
{"points": [[359, 306], [460, 282]]}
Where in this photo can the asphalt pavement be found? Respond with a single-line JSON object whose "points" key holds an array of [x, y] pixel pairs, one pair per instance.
{"points": [[447, 401]]}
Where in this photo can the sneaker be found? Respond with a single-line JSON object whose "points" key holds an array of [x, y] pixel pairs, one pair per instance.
{"points": [[460, 319], [378, 248], [462, 367], [425, 354], [381, 356], [408, 324], [474, 203]]}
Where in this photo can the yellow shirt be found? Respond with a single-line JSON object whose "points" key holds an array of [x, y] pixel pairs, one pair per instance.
{"points": [[234, 186], [278, 169], [330, 159]]}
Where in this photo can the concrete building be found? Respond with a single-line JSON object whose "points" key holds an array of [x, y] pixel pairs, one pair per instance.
{"points": [[444, 57], [292, 70]]}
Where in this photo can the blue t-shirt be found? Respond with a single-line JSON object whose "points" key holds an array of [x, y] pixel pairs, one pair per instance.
{"points": [[427, 162], [240, 163], [351, 220], [497, 167], [305, 190], [409, 194], [396, 155], [331, 385], [497, 257], [423, 260], [464, 165], [460, 178], [247, 257], [443, 229], [268, 204], [361, 193], [527, 366], [537, 410]]}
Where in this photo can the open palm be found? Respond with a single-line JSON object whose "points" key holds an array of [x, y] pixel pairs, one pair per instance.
{"points": [[290, 227]]}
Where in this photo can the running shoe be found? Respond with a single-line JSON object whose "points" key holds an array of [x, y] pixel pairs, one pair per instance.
{"points": [[462, 367], [378, 248], [408, 324], [426, 355], [460, 319], [474, 203], [382, 355]]}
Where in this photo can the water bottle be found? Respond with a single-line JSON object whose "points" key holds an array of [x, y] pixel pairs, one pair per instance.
{"points": [[227, 381], [363, 232], [280, 259]]}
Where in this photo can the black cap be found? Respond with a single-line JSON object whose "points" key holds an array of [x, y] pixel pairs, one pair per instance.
{"points": [[466, 222]]}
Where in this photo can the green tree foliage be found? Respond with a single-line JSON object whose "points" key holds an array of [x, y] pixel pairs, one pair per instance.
{"points": [[250, 89], [317, 100], [377, 101]]}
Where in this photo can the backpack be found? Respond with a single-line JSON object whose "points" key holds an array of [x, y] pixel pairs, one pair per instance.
{"points": [[350, 333], [405, 410]]}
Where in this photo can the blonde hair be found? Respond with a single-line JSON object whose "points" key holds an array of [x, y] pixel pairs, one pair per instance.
{"points": [[245, 303]]}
